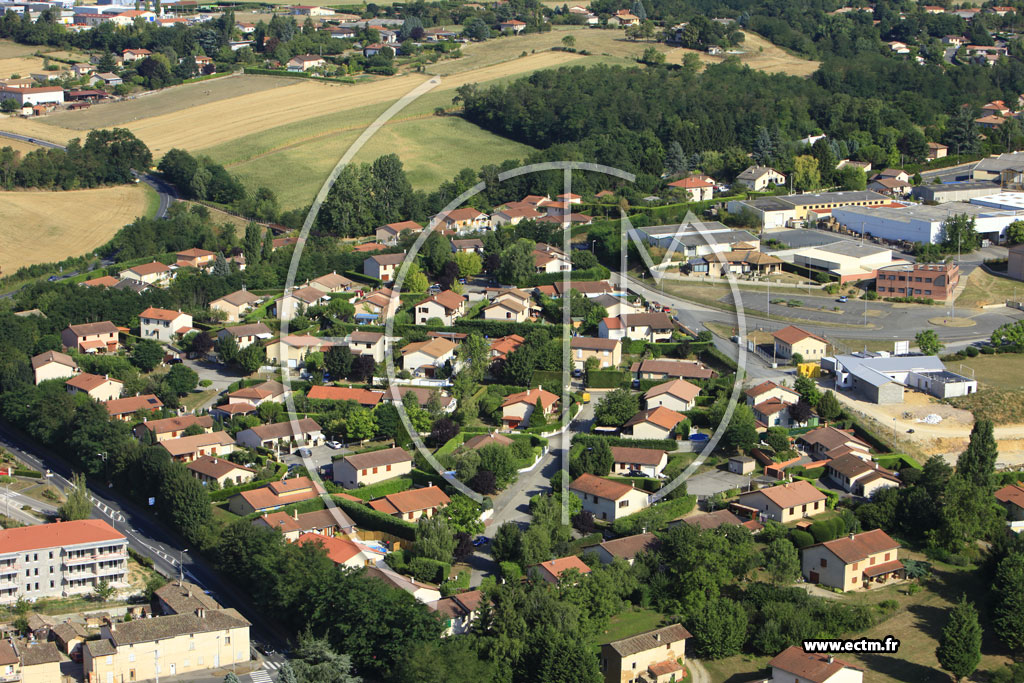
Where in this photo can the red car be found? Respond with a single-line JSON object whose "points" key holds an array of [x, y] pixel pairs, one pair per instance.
{"points": [[666, 309]]}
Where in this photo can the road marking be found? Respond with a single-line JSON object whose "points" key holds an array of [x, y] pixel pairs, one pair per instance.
{"points": [[260, 676], [271, 665]]}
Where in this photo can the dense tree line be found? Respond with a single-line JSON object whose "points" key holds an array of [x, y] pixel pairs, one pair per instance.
{"points": [[106, 158]]}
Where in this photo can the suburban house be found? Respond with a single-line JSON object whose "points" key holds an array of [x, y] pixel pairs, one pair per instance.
{"points": [[623, 18], [327, 522], [491, 439], [423, 592], [292, 349], [713, 520], [768, 390], [468, 246], [758, 178], [782, 503], [671, 369], [649, 462], [515, 213], [98, 337], [651, 327], [508, 309], [657, 656], [195, 258], [383, 266], [677, 395], [124, 409], [458, 611], [791, 340], [154, 273], [859, 476], [423, 358], [777, 413], [298, 300], [96, 387], [587, 288], [274, 495], [936, 151], [795, 665], [518, 408], [236, 305], [606, 499], [364, 397], [553, 570], [282, 436], [696, 188], [1011, 497], [208, 469], [412, 504], [502, 346], [142, 649], [61, 559], [865, 560], [189, 448], [653, 423], [883, 378], [53, 365], [131, 55], [830, 442], [172, 427], [549, 259], [163, 325], [446, 306], [306, 62], [363, 469], [270, 391], [625, 548], [463, 220], [608, 352], [247, 334], [513, 25], [389, 234], [331, 283], [368, 343], [376, 305], [343, 551]]}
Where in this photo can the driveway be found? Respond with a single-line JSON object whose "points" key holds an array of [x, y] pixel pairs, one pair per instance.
{"points": [[219, 376], [709, 483]]}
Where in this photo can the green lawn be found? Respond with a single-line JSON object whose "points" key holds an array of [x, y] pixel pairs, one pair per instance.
{"points": [[1002, 371], [984, 288], [627, 624]]}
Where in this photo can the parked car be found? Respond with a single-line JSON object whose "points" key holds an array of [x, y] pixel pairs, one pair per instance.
{"points": [[480, 540], [577, 372], [335, 445], [843, 299], [305, 453]]}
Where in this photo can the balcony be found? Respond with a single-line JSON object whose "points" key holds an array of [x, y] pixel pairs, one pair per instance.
{"points": [[10, 569]]}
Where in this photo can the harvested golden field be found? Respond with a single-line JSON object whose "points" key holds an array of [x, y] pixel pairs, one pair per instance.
{"points": [[164, 102], [50, 226], [20, 66], [35, 128], [18, 145], [8, 49]]}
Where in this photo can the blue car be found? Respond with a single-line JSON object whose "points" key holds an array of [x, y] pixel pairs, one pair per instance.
{"points": [[480, 540]]}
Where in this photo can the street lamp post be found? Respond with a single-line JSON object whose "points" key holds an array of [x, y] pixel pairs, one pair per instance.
{"points": [[181, 567]]}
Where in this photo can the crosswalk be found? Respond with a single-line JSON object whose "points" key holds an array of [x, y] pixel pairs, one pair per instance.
{"points": [[260, 676], [272, 665]]}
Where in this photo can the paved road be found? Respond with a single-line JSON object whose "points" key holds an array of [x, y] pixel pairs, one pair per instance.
{"points": [[146, 536], [166, 192]]}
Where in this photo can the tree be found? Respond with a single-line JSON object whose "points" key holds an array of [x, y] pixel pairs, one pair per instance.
{"points": [[227, 347], [362, 368], [777, 438], [594, 459], [469, 264], [720, 628], [615, 409], [286, 674], [828, 406], [360, 425], [251, 243], [415, 279], [928, 342], [537, 418], [959, 233], [808, 390], [484, 481], [477, 29], [231, 678], [463, 515], [1008, 590], [78, 504], [781, 561], [801, 411], [507, 544], [959, 650], [741, 434], [146, 355], [338, 361], [569, 41], [639, 11], [676, 161], [1015, 232], [977, 463], [434, 539], [181, 379], [851, 178], [221, 268], [443, 431], [806, 175], [435, 253], [252, 358], [516, 263], [962, 132], [316, 661]]}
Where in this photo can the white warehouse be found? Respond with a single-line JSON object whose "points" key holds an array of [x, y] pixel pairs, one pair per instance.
{"points": [[921, 223]]}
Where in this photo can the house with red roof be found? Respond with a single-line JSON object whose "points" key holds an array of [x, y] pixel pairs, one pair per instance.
{"points": [[53, 365], [517, 408], [792, 339], [343, 551], [163, 325], [513, 25], [677, 395], [466, 219], [553, 570], [858, 561], [96, 387], [273, 496], [154, 273], [793, 664], [1011, 497], [99, 337], [363, 469], [390, 233], [782, 503], [446, 306], [697, 188], [412, 504], [606, 499], [195, 257], [124, 409], [653, 423]]}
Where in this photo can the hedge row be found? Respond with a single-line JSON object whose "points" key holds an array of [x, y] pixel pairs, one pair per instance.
{"points": [[607, 379], [365, 279], [589, 274], [646, 483], [547, 379], [381, 489], [501, 328], [450, 447], [713, 357], [294, 74], [654, 517], [368, 518], [659, 444]]}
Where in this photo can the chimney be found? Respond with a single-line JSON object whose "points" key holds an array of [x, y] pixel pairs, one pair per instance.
{"points": [[851, 535], [188, 592], [215, 461], [201, 612], [657, 637], [831, 659], [295, 514]]}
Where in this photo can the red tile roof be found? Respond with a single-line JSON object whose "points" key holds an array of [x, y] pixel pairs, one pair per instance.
{"points": [[600, 487], [339, 549], [660, 416], [790, 495], [159, 314], [364, 397], [123, 406], [547, 399], [1011, 493], [412, 500], [555, 568], [56, 535], [87, 382], [637, 456], [815, 667], [792, 334]]}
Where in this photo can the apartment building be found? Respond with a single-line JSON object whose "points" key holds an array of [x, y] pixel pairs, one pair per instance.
{"points": [[60, 559]]}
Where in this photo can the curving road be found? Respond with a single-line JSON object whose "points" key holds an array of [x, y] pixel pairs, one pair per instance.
{"points": [[166, 191]]}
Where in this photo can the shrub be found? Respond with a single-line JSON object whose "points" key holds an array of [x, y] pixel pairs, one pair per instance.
{"points": [[654, 517], [800, 538], [511, 572], [428, 570], [368, 518]]}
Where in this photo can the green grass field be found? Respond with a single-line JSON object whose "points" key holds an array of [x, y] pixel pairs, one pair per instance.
{"points": [[626, 624], [293, 160], [984, 288]]}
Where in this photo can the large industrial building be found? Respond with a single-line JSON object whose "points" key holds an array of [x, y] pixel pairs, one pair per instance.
{"points": [[847, 260], [881, 378], [777, 212], [920, 223], [688, 240]]}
